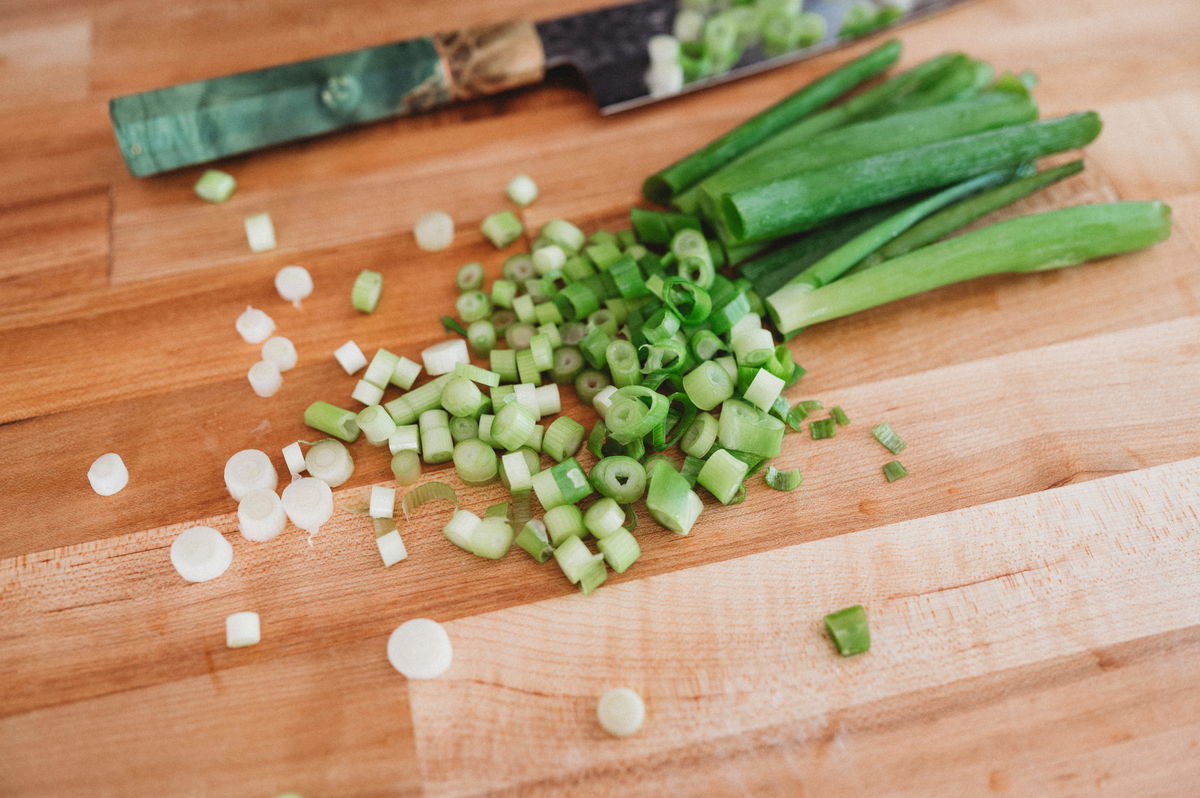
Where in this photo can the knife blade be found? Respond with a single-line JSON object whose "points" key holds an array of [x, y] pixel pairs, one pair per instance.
{"points": [[202, 121]]}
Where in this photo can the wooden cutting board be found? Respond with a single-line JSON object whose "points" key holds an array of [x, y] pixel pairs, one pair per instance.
{"points": [[1033, 586]]}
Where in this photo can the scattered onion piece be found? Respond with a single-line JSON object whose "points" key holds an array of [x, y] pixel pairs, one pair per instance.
{"points": [[260, 515], [249, 469], [201, 553], [421, 495], [308, 503], [621, 712], [420, 649], [254, 325], [294, 284], [108, 474], [242, 629], [280, 351], [265, 378]]}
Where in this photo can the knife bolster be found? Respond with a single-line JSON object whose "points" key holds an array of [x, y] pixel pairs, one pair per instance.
{"points": [[491, 59]]}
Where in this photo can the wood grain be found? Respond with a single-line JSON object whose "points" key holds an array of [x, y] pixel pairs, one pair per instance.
{"points": [[1033, 636]]}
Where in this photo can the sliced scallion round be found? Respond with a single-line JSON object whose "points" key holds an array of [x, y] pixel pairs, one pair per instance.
{"points": [[475, 462], [254, 325], [406, 466], [620, 711], [280, 351], [294, 283], [522, 190], [420, 649], [107, 474], [329, 461], [260, 515], [201, 553], [247, 470], [620, 478], [368, 287], [434, 231], [308, 503], [265, 379]]}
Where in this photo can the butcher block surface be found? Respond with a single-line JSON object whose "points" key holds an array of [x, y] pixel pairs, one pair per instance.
{"points": [[1033, 586]]}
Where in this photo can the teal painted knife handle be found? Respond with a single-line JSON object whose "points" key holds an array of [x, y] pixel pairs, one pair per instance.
{"points": [[197, 122]]}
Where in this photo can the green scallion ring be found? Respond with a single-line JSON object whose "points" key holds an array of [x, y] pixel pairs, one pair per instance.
{"points": [[619, 477]]}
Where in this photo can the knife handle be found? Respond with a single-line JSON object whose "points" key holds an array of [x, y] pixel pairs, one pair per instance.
{"points": [[193, 123]]}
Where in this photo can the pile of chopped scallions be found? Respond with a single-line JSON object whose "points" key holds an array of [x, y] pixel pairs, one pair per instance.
{"points": [[813, 209]]}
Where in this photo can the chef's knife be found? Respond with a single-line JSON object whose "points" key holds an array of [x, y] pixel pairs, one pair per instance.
{"points": [[205, 120]]}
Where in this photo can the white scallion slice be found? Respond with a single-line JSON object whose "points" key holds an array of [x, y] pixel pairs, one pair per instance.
{"points": [[242, 629], [260, 232], [549, 401], [254, 326], [522, 190], [763, 390], [366, 393], [420, 649], [294, 284], [249, 469], [265, 378], [388, 540], [329, 461], [383, 502], [406, 373], [621, 712], [663, 49], [664, 79], [688, 25], [604, 400], [350, 357], [293, 458], [460, 529], [107, 474], [280, 351], [260, 515], [201, 553], [308, 503], [441, 358], [549, 258], [434, 231], [405, 438], [215, 186]]}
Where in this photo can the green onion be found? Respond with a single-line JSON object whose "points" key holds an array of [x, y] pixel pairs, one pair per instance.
{"points": [[722, 475], [822, 428], [588, 384], [460, 529], [548, 259], [513, 425], [502, 228], [764, 389], [469, 277], [534, 540], [708, 385], [522, 191], [620, 478], [775, 209], [332, 420], [527, 370], [548, 400], [670, 499], [492, 538], [783, 480], [406, 466], [462, 428], [504, 363], [436, 444], [406, 437], [367, 288], [563, 233], [893, 470], [1051, 240], [849, 631], [476, 374], [622, 359], [215, 186], [604, 518], [562, 522], [620, 549], [381, 369], [635, 411], [503, 293], [376, 424], [461, 397], [745, 428], [421, 495], [705, 345], [691, 303], [473, 306], [450, 324], [405, 373], [574, 559], [661, 187], [517, 470], [700, 436], [839, 415], [657, 227], [475, 461], [568, 363], [564, 483], [563, 438], [888, 438]]}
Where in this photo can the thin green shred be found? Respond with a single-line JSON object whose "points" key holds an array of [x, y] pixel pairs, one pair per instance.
{"points": [[888, 438], [783, 480]]}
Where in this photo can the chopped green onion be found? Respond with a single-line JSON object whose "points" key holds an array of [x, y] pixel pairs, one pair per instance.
{"points": [[434, 231], [460, 529], [519, 335], [635, 411], [421, 495], [706, 345], [260, 232], [406, 466], [450, 324], [255, 326], [526, 313], [215, 186], [329, 461], [436, 444], [379, 372], [849, 630], [822, 428], [620, 548], [888, 438], [404, 438], [708, 385], [265, 379], [533, 539], [517, 469], [473, 306], [839, 415], [745, 428], [527, 370], [405, 373], [670, 499], [476, 374], [376, 424], [894, 470], [574, 558], [562, 522], [294, 283], [548, 259], [367, 288], [308, 503], [502, 228], [513, 425], [783, 480], [475, 462], [604, 517], [504, 363], [462, 428], [492, 538], [690, 470], [461, 397], [699, 437], [332, 420], [441, 358], [563, 233], [722, 475], [522, 190], [568, 362], [563, 438], [620, 478], [764, 389], [469, 277], [752, 346], [564, 483], [588, 384]]}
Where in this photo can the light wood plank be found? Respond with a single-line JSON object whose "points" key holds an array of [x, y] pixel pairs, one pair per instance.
{"points": [[1055, 584]]}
